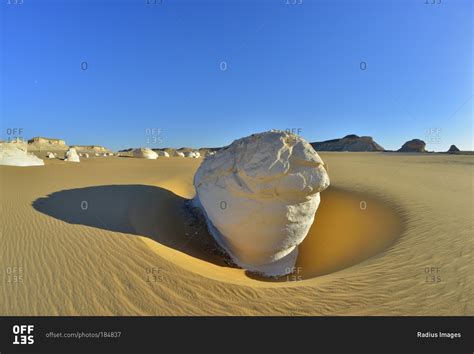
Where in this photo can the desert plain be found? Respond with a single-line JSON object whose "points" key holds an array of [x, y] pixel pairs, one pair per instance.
{"points": [[117, 236]]}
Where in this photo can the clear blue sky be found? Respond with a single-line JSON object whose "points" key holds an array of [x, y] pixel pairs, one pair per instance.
{"points": [[287, 66]]}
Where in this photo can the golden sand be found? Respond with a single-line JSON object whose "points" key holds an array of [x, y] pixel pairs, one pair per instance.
{"points": [[115, 236]]}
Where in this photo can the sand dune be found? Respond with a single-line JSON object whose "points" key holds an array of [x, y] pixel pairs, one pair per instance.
{"points": [[117, 236]]}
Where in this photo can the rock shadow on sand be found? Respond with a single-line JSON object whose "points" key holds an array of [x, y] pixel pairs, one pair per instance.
{"points": [[141, 210]]}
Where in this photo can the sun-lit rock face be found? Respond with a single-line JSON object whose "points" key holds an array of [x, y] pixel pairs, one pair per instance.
{"points": [[71, 156], [16, 154], [50, 155], [260, 196], [179, 154], [42, 144], [144, 153]]}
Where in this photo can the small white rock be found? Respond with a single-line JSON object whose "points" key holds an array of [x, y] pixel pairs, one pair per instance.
{"points": [[144, 153], [71, 155]]}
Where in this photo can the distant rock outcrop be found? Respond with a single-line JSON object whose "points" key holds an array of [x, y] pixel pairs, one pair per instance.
{"points": [[16, 154], [46, 144], [163, 154], [348, 143], [144, 153], [453, 149], [91, 149], [414, 145]]}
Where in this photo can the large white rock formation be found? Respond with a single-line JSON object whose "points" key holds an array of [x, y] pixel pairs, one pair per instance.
{"points": [[260, 196], [16, 154], [71, 155], [179, 154], [144, 153]]}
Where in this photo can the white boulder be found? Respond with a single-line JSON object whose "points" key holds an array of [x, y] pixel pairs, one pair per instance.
{"points": [[97, 154], [163, 154], [86, 155], [179, 154], [260, 196], [196, 154], [144, 153], [71, 155], [50, 155], [16, 154]]}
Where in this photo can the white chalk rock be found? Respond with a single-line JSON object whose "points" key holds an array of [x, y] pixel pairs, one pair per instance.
{"points": [[163, 153], [86, 155], [144, 153], [260, 196], [179, 154], [97, 154], [50, 155], [189, 154], [196, 154], [71, 155], [16, 154]]}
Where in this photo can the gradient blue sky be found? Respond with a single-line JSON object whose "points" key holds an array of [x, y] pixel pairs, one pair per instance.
{"points": [[288, 66]]}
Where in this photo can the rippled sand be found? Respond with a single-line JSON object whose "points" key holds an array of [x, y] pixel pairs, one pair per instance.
{"points": [[116, 236]]}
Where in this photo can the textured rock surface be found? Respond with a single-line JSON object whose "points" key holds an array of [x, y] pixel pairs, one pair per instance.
{"points": [[16, 154], [144, 153], [163, 154], [42, 144], [179, 154], [415, 145], [90, 149], [50, 155], [71, 155], [453, 148], [348, 143], [260, 196]]}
